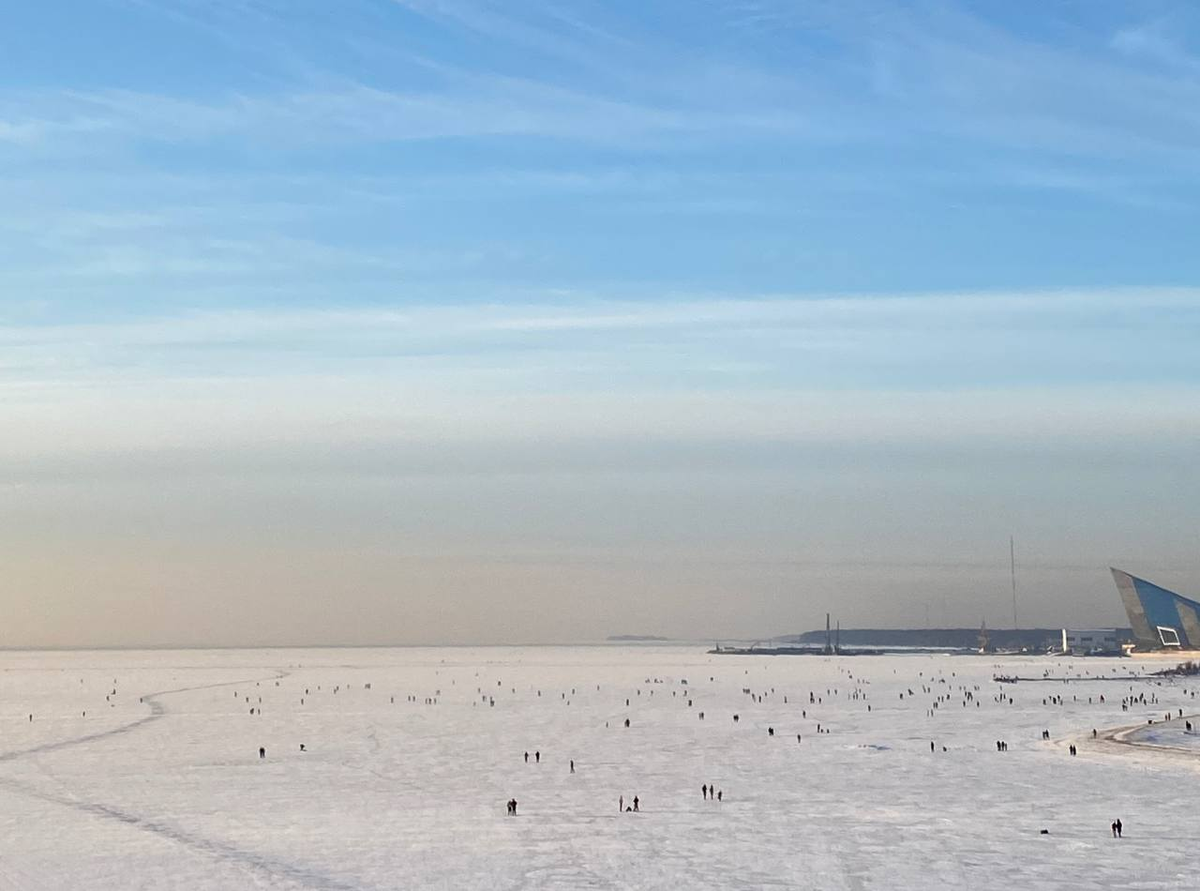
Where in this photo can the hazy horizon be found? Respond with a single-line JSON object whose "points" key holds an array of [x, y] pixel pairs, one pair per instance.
{"points": [[449, 323]]}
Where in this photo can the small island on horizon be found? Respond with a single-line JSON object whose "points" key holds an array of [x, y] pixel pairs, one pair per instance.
{"points": [[634, 638]]}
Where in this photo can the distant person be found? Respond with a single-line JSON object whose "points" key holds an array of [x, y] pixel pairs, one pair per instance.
{"points": [[704, 791], [635, 805], [1119, 827], [537, 757], [626, 722], [572, 765], [262, 753], [932, 747], [302, 749], [720, 794], [621, 804], [526, 757]]}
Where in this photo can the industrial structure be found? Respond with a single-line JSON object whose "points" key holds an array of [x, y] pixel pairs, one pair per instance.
{"points": [[1160, 619]]}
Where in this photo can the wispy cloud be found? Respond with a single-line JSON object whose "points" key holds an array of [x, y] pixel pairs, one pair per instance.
{"points": [[934, 343], [1156, 42], [358, 113]]}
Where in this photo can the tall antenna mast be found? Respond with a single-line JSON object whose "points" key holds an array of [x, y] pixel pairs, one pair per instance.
{"points": [[1012, 568]]}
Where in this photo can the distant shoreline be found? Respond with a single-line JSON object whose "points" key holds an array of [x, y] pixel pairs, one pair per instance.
{"points": [[636, 638], [137, 647]]}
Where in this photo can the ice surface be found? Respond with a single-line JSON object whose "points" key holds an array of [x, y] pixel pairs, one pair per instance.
{"points": [[1171, 734], [169, 792]]}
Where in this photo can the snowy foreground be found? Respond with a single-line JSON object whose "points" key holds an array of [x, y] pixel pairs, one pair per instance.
{"points": [[160, 785]]}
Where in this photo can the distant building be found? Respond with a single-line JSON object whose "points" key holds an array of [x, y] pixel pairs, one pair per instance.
{"points": [[985, 639], [1161, 619], [1093, 641]]}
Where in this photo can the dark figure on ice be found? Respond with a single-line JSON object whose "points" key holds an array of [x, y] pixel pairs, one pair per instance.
{"points": [[262, 753], [526, 757], [720, 794], [635, 802], [1117, 826], [770, 731], [537, 757], [572, 765]]}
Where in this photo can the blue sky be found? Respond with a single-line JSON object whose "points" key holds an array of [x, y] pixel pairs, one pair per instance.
{"points": [[464, 150], [802, 281]]}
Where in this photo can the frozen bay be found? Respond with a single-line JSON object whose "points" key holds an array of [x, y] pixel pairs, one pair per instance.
{"points": [[407, 767]]}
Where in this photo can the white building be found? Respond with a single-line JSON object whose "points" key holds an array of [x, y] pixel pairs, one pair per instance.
{"points": [[1092, 641]]}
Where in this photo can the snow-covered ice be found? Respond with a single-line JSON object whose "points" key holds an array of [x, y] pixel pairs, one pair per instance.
{"points": [[160, 784]]}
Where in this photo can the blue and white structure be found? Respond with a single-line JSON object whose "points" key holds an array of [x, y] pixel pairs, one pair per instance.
{"points": [[1160, 619]]}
